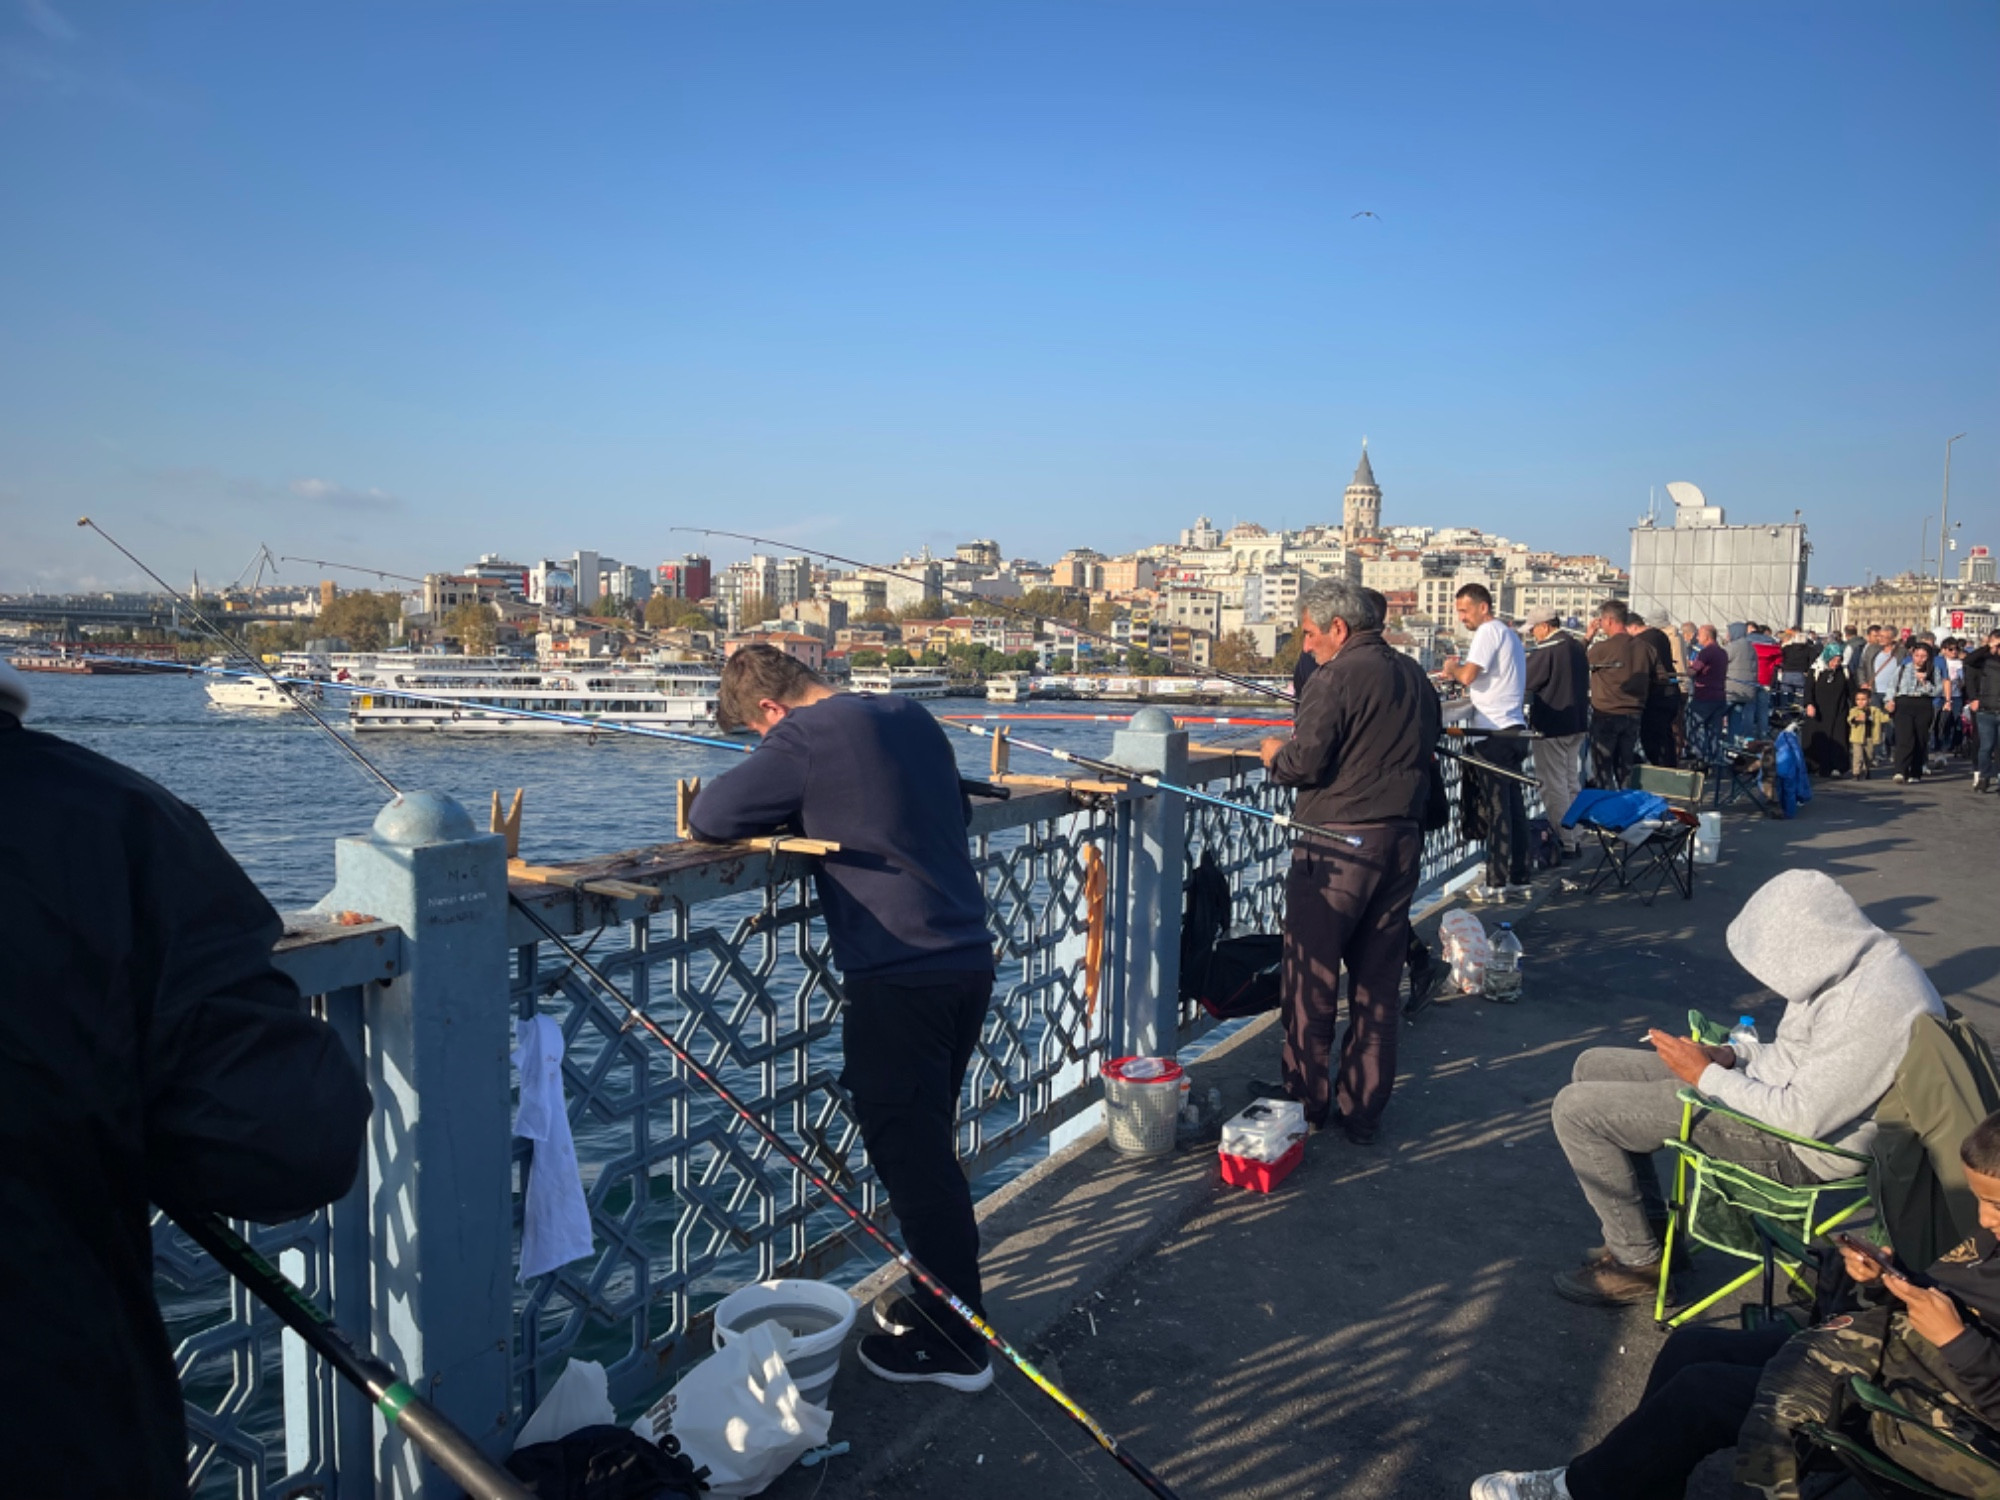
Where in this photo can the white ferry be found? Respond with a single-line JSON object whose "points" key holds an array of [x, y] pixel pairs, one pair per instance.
{"points": [[907, 682], [1009, 687], [458, 694], [258, 693]]}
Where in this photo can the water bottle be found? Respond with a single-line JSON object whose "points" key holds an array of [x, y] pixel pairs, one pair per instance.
{"points": [[1503, 966], [1745, 1030]]}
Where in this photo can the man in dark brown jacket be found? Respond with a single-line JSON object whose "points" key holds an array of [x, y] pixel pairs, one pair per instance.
{"points": [[1621, 679], [1361, 754]]}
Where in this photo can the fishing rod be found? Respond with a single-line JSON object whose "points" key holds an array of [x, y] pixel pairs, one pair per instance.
{"points": [[238, 649], [321, 562], [1247, 683], [401, 1408], [794, 1159], [1147, 778]]}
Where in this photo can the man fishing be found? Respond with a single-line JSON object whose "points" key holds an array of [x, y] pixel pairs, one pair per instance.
{"points": [[1360, 753], [149, 1051], [907, 920]]}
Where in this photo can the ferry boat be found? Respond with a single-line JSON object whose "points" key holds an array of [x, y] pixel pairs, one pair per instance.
{"points": [[1009, 687], [459, 692], [906, 682], [95, 661], [259, 693]]}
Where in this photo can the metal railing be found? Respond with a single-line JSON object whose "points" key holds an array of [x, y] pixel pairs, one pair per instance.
{"points": [[685, 1201]]}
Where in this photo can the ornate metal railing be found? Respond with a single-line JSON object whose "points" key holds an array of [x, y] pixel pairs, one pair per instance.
{"points": [[685, 1201]]}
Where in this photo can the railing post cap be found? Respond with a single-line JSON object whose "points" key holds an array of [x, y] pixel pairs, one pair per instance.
{"points": [[1152, 720], [413, 819]]}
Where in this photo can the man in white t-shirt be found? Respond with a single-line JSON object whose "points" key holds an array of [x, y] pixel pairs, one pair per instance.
{"points": [[1495, 674]]}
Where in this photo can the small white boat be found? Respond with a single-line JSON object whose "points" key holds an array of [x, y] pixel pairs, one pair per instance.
{"points": [[256, 692], [905, 682]]}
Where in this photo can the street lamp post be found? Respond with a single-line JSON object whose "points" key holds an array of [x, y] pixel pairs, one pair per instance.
{"points": [[1944, 521]]}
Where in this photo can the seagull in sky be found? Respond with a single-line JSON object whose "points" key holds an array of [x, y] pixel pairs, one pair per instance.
{"points": [[1367, 213]]}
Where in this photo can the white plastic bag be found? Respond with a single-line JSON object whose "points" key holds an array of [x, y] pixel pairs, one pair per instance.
{"points": [[740, 1412], [581, 1397], [1466, 950]]}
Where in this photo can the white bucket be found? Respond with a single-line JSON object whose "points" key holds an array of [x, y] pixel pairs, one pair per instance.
{"points": [[1708, 839], [1142, 1101], [818, 1317]]}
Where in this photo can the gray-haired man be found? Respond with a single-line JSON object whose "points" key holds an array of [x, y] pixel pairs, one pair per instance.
{"points": [[1361, 755]]}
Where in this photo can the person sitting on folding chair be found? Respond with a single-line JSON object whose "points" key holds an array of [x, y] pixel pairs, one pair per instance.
{"points": [[1706, 1383], [1851, 993]]}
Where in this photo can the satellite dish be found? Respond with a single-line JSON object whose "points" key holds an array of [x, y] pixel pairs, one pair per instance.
{"points": [[1688, 495]]}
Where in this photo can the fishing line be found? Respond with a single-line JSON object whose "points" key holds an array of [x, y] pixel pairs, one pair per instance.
{"points": [[231, 646], [797, 1161], [1247, 683]]}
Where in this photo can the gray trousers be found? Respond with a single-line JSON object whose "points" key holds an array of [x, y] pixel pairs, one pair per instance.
{"points": [[1559, 769], [1616, 1112]]}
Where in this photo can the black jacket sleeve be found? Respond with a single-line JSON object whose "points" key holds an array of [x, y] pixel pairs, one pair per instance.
{"points": [[1308, 757], [763, 795], [253, 1108], [1974, 1358]]}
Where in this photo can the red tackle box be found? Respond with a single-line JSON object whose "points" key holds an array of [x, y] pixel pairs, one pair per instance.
{"points": [[1260, 1176]]}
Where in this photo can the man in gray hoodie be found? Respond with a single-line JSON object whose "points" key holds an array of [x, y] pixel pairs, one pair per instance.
{"points": [[1742, 689], [1851, 994]]}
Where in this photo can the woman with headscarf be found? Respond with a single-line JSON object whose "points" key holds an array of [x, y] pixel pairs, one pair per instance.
{"points": [[1915, 683], [1823, 730]]}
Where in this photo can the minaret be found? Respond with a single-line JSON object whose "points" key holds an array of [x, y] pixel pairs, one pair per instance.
{"points": [[1361, 509]]}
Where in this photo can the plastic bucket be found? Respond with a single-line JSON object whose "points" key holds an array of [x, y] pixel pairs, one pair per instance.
{"points": [[1142, 1101], [1708, 839], [817, 1315]]}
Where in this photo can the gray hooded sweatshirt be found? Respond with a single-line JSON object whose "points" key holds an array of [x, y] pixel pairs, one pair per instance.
{"points": [[1742, 683], [1851, 994]]}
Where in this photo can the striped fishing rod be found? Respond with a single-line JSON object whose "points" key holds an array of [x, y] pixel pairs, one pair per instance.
{"points": [[1147, 778], [422, 1433], [1248, 684]]}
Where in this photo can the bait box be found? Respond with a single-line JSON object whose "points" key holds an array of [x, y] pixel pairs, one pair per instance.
{"points": [[1260, 1176]]}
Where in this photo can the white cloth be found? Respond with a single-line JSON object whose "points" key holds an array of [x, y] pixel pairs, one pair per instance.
{"points": [[555, 1221], [1503, 677]]}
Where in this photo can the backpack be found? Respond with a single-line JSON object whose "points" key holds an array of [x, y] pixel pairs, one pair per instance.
{"points": [[607, 1463], [1230, 976]]}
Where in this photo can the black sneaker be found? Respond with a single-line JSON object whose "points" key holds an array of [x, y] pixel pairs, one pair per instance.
{"points": [[896, 1312], [916, 1359]]}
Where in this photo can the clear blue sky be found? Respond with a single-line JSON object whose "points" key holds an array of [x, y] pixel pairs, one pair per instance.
{"points": [[408, 283]]}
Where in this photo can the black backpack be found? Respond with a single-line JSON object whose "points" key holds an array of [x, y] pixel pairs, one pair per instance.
{"points": [[1230, 976], [607, 1463]]}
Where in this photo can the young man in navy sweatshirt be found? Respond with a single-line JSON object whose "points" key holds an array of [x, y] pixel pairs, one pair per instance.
{"points": [[907, 919]]}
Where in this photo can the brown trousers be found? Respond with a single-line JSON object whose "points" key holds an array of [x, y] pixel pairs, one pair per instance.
{"points": [[1347, 906]]}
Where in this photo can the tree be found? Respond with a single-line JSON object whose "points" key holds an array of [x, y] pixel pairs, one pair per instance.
{"points": [[877, 616], [752, 611], [864, 659], [930, 659], [472, 625], [1237, 652], [1062, 665], [1054, 604], [366, 621], [927, 608], [1104, 615], [666, 613], [900, 658], [1288, 653]]}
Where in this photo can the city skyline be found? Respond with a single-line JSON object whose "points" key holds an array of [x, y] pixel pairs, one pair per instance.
{"points": [[1069, 274]]}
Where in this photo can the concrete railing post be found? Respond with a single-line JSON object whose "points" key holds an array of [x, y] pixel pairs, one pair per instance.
{"points": [[439, 1149], [1147, 1020]]}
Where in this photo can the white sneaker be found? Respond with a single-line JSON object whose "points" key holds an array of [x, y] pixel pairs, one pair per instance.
{"points": [[1516, 892], [1486, 895], [1524, 1484], [1899, 777]]}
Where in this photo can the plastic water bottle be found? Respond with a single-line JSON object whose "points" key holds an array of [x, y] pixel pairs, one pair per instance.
{"points": [[1745, 1030], [1503, 966]]}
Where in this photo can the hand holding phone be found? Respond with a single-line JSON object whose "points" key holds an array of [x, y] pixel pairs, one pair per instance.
{"points": [[1879, 1258]]}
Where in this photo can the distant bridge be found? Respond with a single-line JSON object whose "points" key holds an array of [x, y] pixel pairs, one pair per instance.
{"points": [[145, 613]]}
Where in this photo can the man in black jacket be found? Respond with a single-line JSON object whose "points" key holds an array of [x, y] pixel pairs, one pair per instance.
{"points": [[1982, 699], [1661, 718], [1360, 753], [149, 1050], [907, 919], [1558, 712]]}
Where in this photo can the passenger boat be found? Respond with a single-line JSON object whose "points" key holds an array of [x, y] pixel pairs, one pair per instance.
{"points": [[94, 661], [1009, 687], [458, 694], [258, 692], [905, 682]]}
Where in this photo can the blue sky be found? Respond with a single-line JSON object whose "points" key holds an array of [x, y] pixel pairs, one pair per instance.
{"points": [[407, 283]]}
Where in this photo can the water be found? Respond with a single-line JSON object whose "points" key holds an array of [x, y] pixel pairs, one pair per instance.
{"points": [[278, 793], [1503, 966]]}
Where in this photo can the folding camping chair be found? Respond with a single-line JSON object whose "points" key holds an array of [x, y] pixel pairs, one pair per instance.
{"points": [[1642, 834], [1739, 771], [1719, 1203], [1886, 1422]]}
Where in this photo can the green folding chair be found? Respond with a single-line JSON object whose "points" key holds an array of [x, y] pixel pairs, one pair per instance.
{"points": [[1718, 1203]]}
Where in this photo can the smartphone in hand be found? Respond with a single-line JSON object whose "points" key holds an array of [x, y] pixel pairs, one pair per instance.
{"points": [[1882, 1257]]}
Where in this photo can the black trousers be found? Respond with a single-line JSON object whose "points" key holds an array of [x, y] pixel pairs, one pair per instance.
{"points": [[1347, 906], [1506, 812], [1913, 734], [1614, 746], [1657, 723], [1701, 1389], [907, 1044]]}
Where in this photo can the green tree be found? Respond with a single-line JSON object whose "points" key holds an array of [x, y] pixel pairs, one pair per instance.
{"points": [[1104, 615], [472, 625], [930, 659], [1237, 652], [1288, 654], [898, 657], [1055, 604], [924, 609], [876, 616], [1062, 665], [864, 659], [366, 621]]}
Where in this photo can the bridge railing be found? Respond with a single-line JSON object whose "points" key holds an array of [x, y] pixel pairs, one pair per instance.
{"points": [[730, 953]]}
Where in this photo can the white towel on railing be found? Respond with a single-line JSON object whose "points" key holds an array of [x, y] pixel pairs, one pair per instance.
{"points": [[555, 1221]]}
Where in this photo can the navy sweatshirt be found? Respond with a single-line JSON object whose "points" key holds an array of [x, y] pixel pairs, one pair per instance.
{"points": [[875, 775]]}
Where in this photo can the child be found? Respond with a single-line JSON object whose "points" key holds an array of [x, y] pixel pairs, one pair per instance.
{"points": [[1865, 724]]}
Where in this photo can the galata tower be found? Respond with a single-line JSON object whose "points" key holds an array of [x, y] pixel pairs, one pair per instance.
{"points": [[1361, 510]]}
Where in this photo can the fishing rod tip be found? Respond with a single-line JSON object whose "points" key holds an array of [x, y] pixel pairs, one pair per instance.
{"points": [[83, 520]]}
